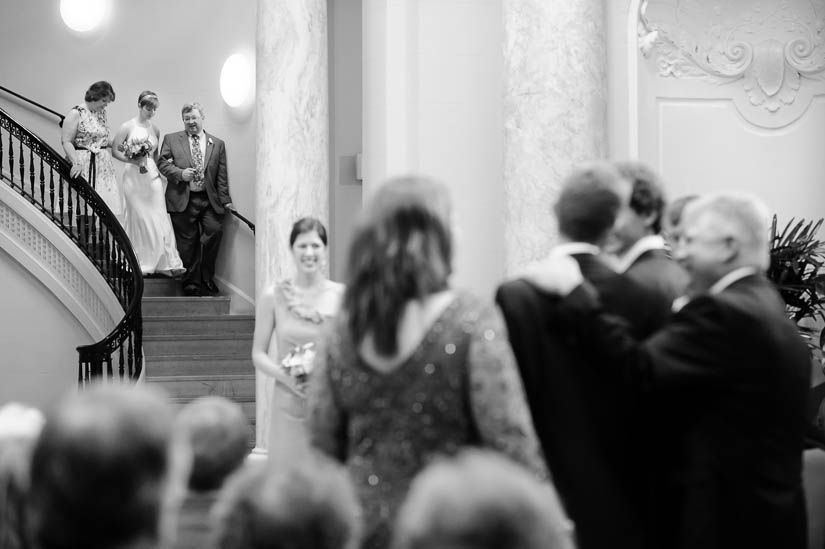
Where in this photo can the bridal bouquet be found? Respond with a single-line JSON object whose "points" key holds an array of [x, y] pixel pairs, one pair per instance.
{"points": [[137, 147], [298, 364]]}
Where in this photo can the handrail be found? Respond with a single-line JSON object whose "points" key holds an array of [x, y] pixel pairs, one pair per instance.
{"points": [[245, 220], [40, 174], [35, 103]]}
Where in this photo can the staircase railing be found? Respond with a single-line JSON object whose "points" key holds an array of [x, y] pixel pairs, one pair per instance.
{"points": [[41, 175]]}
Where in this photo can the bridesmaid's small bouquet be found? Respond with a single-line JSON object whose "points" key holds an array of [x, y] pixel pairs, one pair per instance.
{"points": [[137, 148], [298, 363]]}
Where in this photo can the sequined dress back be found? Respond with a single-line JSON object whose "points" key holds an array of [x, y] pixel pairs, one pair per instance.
{"points": [[460, 387]]}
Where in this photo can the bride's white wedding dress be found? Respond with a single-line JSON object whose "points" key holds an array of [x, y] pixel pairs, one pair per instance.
{"points": [[145, 219]]}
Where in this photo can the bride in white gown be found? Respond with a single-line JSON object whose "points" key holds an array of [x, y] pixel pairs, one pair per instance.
{"points": [[145, 219]]}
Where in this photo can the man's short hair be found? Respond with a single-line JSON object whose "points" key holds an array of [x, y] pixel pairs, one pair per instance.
{"points": [[307, 504], [589, 202], [647, 197], [481, 500], [745, 218], [218, 433], [99, 469], [189, 107]]}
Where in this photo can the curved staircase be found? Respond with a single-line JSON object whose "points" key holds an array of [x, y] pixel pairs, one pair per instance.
{"points": [[193, 347]]}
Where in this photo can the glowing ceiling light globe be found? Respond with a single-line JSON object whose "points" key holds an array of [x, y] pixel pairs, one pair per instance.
{"points": [[236, 80], [82, 15]]}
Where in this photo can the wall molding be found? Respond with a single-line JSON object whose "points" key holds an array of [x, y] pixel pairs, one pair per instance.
{"points": [[54, 260], [768, 57]]}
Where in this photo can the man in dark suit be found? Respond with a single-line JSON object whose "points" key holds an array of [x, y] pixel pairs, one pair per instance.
{"points": [[637, 238], [734, 365], [586, 420], [197, 195]]}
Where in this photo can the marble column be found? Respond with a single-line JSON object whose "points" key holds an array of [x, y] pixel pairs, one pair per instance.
{"points": [[292, 173], [555, 104]]}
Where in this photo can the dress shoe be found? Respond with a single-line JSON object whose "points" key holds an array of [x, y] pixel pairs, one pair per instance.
{"points": [[191, 290], [211, 287]]}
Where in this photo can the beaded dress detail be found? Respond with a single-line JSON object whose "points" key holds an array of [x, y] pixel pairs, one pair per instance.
{"points": [[460, 387]]}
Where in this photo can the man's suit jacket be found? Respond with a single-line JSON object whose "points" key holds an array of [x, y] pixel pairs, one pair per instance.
{"points": [[656, 270], [176, 156], [584, 419], [738, 371]]}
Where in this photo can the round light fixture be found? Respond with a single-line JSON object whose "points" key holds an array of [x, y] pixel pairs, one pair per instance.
{"points": [[82, 15], [236, 80]]}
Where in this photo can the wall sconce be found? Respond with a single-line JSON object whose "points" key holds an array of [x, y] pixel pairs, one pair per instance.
{"points": [[237, 81], [83, 15]]}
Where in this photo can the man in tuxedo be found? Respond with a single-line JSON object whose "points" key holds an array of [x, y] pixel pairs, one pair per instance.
{"points": [[197, 195], [637, 239], [586, 420], [730, 361]]}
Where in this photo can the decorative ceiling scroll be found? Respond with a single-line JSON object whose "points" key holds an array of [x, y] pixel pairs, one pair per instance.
{"points": [[770, 52]]}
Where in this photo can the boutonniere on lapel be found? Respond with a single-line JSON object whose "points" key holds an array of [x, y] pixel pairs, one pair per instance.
{"points": [[209, 141]]}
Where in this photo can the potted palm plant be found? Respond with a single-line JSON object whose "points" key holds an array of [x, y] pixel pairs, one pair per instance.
{"points": [[796, 260]]}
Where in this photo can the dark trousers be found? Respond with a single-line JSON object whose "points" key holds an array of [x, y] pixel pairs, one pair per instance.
{"points": [[198, 231]]}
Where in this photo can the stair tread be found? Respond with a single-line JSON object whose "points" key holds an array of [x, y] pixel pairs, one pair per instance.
{"points": [[182, 298], [200, 377], [185, 399], [235, 318], [216, 358], [195, 337]]}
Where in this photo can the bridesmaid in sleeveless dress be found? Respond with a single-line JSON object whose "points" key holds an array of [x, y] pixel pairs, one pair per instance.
{"points": [[290, 317], [145, 219], [86, 131]]}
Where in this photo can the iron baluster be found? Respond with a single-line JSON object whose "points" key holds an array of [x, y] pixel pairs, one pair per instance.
{"points": [[22, 167], [51, 191]]}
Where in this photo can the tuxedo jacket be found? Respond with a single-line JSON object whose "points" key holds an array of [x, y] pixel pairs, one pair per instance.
{"points": [[654, 269], [585, 419], [738, 370], [176, 156]]}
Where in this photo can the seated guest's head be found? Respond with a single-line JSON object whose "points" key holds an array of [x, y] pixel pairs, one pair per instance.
{"points": [[401, 251], [19, 427], [672, 219], [591, 199], [646, 206], [481, 500], [217, 431], [307, 504], [106, 471], [723, 232]]}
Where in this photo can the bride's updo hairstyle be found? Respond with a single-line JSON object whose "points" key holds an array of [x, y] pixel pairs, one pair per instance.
{"points": [[148, 97], [401, 251]]}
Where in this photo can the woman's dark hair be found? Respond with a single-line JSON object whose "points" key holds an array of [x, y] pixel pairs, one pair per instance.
{"points": [[307, 225], [100, 90], [148, 97], [402, 250]]}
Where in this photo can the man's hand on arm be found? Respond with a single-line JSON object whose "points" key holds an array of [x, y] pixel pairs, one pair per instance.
{"points": [[557, 274]]}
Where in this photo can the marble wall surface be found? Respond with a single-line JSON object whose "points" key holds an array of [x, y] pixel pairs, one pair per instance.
{"points": [[554, 112], [293, 141]]}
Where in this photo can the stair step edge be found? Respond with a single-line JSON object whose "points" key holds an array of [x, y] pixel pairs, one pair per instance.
{"points": [[185, 298], [185, 399], [196, 337], [216, 358], [232, 318], [204, 377]]}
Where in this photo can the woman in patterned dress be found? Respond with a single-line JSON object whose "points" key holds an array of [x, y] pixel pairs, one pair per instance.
{"points": [[289, 319], [86, 132], [412, 369]]}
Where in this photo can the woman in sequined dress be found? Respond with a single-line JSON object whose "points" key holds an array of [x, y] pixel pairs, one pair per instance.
{"points": [[290, 316], [86, 133], [412, 369]]}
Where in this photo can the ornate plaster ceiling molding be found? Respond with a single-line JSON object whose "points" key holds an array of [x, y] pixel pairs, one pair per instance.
{"points": [[771, 53]]}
